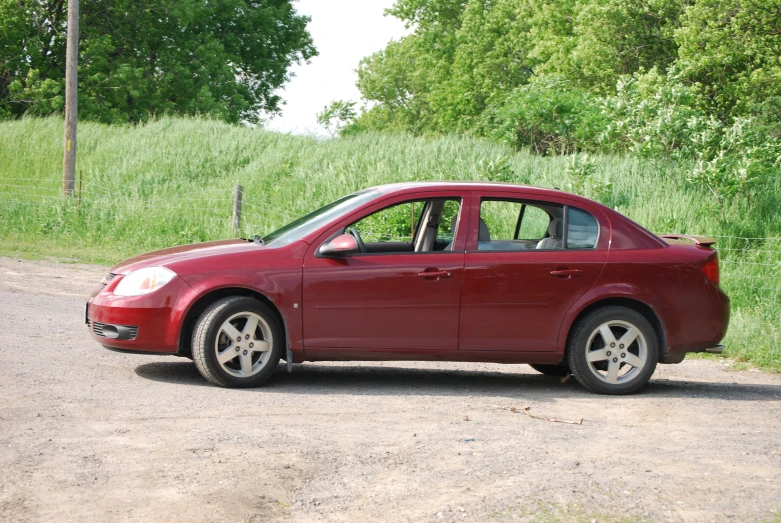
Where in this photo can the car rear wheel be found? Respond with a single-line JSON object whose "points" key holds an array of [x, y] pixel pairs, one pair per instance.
{"points": [[613, 350], [237, 342], [551, 370]]}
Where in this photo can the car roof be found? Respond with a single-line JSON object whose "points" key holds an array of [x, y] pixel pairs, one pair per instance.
{"points": [[625, 232], [401, 187]]}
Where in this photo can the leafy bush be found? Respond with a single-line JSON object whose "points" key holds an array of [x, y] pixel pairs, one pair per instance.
{"points": [[657, 117], [654, 116], [581, 170], [548, 116], [738, 159]]}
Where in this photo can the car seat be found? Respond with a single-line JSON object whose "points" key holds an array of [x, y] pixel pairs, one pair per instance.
{"points": [[553, 241]]}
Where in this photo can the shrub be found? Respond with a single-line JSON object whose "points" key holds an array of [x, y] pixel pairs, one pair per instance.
{"points": [[739, 158], [653, 116], [548, 116]]}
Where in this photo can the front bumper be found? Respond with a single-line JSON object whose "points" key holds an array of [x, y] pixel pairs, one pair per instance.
{"points": [[149, 323]]}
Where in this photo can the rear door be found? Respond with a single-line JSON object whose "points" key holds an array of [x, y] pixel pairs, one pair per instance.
{"points": [[519, 284]]}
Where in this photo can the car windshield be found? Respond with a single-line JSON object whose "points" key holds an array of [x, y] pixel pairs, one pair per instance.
{"points": [[299, 228]]}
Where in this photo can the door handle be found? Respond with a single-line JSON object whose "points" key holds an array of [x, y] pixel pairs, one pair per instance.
{"points": [[566, 273], [434, 274]]}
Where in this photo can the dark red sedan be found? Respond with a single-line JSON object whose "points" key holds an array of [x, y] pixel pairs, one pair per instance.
{"points": [[427, 271]]}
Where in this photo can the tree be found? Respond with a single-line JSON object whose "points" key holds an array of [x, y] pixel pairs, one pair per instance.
{"points": [[409, 79], [731, 49], [225, 58], [491, 60], [335, 116], [465, 56]]}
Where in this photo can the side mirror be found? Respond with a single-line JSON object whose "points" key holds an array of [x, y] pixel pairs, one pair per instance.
{"points": [[339, 246]]}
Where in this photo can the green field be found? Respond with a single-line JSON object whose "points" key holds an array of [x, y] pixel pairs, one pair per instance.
{"points": [[171, 182]]}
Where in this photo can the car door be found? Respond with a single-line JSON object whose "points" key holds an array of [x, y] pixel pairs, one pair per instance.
{"points": [[517, 289], [392, 298]]}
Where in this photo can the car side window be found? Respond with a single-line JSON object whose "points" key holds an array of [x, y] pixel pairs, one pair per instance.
{"points": [[394, 224], [417, 226], [582, 229], [511, 225], [446, 232], [499, 218], [534, 224]]}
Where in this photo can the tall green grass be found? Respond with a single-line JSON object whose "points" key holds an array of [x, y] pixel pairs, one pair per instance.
{"points": [[171, 182]]}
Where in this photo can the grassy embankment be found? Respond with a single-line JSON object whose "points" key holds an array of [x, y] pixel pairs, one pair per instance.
{"points": [[171, 182]]}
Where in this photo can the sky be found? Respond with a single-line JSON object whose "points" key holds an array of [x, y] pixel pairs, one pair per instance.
{"points": [[344, 31]]}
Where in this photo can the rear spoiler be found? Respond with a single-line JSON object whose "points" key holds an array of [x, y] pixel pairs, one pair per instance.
{"points": [[705, 241]]}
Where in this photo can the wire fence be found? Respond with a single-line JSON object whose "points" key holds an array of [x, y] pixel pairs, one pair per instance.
{"points": [[259, 216], [216, 211]]}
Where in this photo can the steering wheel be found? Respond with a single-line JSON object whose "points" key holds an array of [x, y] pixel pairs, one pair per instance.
{"points": [[357, 236]]}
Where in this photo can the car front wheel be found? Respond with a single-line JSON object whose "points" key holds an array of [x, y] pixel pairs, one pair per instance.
{"points": [[613, 350], [237, 342]]}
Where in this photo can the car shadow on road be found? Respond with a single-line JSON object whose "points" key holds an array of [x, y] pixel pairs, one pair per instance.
{"points": [[368, 380]]}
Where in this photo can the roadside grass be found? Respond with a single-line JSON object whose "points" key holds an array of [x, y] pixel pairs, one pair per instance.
{"points": [[171, 182]]}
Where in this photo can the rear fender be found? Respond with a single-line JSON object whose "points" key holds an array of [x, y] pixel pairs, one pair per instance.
{"points": [[606, 292]]}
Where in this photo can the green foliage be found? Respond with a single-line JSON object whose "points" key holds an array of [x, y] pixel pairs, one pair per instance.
{"points": [[441, 77], [657, 117], [594, 42], [482, 74], [335, 116], [693, 88], [730, 48], [499, 169], [548, 116], [170, 181], [739, 161], [654, 116], [225, 58], [403, 78], [394, 224], [467, 56], [581, 170]]}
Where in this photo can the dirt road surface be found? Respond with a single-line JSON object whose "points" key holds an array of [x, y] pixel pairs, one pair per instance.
{"points": [[89, 435]]}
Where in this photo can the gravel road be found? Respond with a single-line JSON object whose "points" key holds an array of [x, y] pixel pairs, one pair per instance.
{"points": [[90, 435]]}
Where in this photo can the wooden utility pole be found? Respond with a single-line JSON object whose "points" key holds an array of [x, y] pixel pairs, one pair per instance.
{"points": [[71, 99]]}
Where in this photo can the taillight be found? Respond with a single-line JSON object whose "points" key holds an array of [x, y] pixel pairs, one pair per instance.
{"points": [[711, 269]]}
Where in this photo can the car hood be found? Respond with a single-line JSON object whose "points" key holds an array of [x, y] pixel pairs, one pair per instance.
{"points": [[172, 255]]}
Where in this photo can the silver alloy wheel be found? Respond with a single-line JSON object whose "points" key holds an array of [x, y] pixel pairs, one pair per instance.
{"points": [[243, 344], [616, 352]]}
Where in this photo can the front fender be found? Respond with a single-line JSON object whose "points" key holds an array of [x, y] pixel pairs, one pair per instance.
{"points": [[282, 287]]}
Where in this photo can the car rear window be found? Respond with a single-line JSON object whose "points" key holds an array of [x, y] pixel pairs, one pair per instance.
{"points": [[582, 229]]}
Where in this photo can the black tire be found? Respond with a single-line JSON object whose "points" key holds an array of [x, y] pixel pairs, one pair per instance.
{"points": [[551, 370], [588, 342], [205, 342]]}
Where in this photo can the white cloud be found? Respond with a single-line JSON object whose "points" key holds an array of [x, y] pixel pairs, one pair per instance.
{"points": [[344, 31]]}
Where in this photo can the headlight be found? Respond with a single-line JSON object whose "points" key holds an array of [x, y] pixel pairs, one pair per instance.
{"points": [[143, 281]]}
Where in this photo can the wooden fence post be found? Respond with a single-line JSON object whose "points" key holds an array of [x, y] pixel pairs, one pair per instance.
{"points": [[237, 209]]}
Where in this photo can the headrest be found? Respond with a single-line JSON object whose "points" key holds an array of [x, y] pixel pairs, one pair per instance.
{"points": [[555, 228]]}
